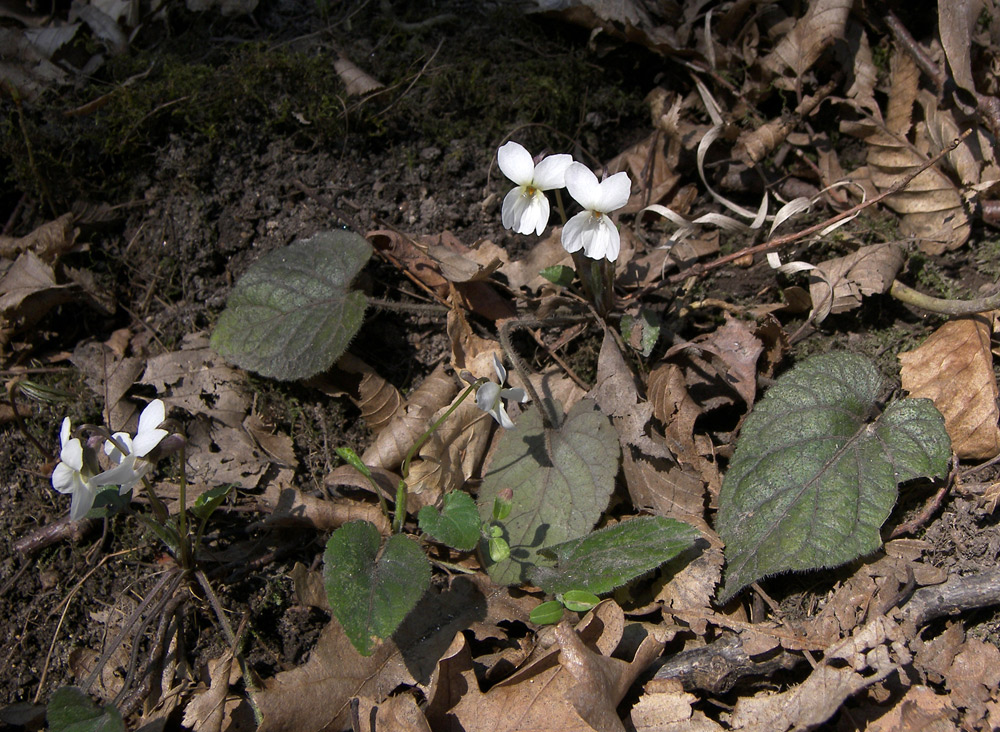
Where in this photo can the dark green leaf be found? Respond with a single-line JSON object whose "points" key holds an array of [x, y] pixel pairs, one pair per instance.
{"points": [[210, 500], [372, 592], [641, 332], [292, 314], [71, 710], [556, 497], [548, 613], [815, 474], [456, 524], [559, 274], [611, 557]]}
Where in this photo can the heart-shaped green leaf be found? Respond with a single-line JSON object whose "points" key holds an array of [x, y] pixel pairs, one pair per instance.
{"points": [[611, 557], [456, 524], [815, 473], [71, 710], [371, 592], [292, 314], [561, 479]]}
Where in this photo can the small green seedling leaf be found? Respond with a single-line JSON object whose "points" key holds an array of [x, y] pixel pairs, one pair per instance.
{"points": [[372, 592], [579, 601], [292, 314], [559, 274], [71, 710], [351, 458], [614, 556], [555, 498], [641, 332], [498, 548], [207, 502], [548, 613], [502, 504], [815, 473], [457, 524]]}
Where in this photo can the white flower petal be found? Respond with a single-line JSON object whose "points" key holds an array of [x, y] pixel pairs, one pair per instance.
{"points": [[111, 449], [72, 454], [583, 186], [64, 431], [525, 212], [499, 368], [516, 163], [514, 204], [551, 172], [83, 501], [64, 478], [487, 396], [152, 416], [517, 395], [536, 217], [500, 415], [601, 239], [614, 192], [572, 233], [146, 441]]}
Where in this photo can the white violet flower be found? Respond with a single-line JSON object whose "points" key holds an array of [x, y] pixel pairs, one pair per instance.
{"points": [[132, 465], [490, 396], [525, 208], [74, 474], [591, 229]]}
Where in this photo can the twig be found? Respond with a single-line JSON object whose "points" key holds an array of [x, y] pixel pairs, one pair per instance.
{"points": [[908, 295], [53, 533], [699, 269]]}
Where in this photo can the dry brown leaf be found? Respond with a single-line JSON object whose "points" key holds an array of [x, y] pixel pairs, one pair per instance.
{"points": [[665, 707], [197, 380], [290, 507], [664, 488], [404, 250], [277, 447], [109, 376], [822, 24], [921, 708], [863, 73], [872, 653], [206, 710], [973, 678], [837, 285], [378, 400], [649, 166], [316, 695], [954, 368], [574, 685], [392, 443], [398, 713], [524, 272], [49, 241], [459, 263], [615, 391], [356, 80], [956, 21], [688, 593], [931, 207], [310, 590], [28, 291], [346, 475], [736, 346]]}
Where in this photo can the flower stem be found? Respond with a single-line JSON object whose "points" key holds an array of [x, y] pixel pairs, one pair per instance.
{"points": [[548, 411], [399, 516]]}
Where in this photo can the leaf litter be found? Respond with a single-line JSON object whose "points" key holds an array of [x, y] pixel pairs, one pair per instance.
{"points": [[671, 410]]}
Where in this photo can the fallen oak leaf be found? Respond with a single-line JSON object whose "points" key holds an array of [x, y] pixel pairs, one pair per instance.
{"points": [[954, 368], [837, 285]]}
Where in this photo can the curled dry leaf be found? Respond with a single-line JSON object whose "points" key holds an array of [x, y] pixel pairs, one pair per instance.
{"points": [[317, 695], [28, 290], [572, 685], [822, 24], [291, 507], [837, 285], [49, 241], [356, 80], [379, 401], [954, 368], [393, 442], [931, 207]]}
